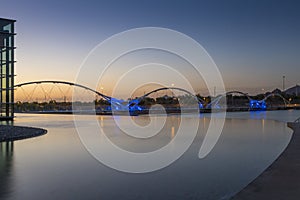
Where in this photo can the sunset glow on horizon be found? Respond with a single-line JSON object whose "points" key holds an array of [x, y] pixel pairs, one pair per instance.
{"points": [[253, 43]]}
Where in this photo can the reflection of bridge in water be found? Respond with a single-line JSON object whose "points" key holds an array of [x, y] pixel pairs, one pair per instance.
{"points": [[54, 98]]}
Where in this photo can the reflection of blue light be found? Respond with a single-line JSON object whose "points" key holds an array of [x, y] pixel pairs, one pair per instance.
{"points": [[201, 105]]}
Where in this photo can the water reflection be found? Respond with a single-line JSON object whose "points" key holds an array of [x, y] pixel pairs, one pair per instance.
{"points": [[140, 145], [6, 164], [101, 121], [172, 132], [56, 166]]}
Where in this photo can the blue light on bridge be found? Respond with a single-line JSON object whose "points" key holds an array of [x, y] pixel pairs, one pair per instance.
{"points": [[258, 105], [201, 106], [135, 108]]}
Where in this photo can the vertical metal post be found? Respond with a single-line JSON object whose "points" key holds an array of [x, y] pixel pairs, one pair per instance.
{"points": [[283, 83], [7, 92], [12, 75]]}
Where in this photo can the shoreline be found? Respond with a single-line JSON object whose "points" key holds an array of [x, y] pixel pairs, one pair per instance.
{"points": [[281, 179], [10, 133], [146, 111]]}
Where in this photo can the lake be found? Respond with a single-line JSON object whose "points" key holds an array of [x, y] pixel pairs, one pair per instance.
{"points": [[58, 166]]}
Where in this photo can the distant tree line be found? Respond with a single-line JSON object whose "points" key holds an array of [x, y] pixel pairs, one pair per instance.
{"points": [[102, 104]]}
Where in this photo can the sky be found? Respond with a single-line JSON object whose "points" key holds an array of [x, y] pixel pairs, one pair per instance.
{"points": [[254, 43]]}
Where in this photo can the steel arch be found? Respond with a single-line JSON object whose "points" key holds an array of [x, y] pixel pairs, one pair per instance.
{"points": [[137, 101], [65, 83]]}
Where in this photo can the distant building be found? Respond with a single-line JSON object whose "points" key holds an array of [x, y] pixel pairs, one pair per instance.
{"points": [[7, 60], [293, 91]]}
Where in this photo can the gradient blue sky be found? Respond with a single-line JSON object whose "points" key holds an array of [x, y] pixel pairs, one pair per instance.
{"points": [[254, 43]]}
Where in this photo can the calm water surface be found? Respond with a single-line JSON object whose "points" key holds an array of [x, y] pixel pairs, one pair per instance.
{"points": [[57, 165]]}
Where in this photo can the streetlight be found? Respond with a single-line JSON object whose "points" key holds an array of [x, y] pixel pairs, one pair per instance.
{"points": [[283, 83]]}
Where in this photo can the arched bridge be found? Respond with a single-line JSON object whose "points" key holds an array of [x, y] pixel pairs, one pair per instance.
{"points": [[286, 102], [65, 83], [136, 101], [115, 102], [215, 102], [133, 104], [253, 104]]}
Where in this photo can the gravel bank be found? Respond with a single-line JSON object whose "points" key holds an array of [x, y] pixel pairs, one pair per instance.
{"points": [[11, 133]]}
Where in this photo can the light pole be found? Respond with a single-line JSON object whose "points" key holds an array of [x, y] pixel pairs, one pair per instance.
{"points": [[283, 83]]}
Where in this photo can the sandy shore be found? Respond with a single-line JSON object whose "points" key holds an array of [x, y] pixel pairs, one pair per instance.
{"points": [[11, 133], [282, 179]]}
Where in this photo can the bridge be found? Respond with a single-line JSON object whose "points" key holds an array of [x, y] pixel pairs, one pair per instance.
{"points": [[215, 102], [254, 104], [113, 101], [131, 105], [136, 101]]}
